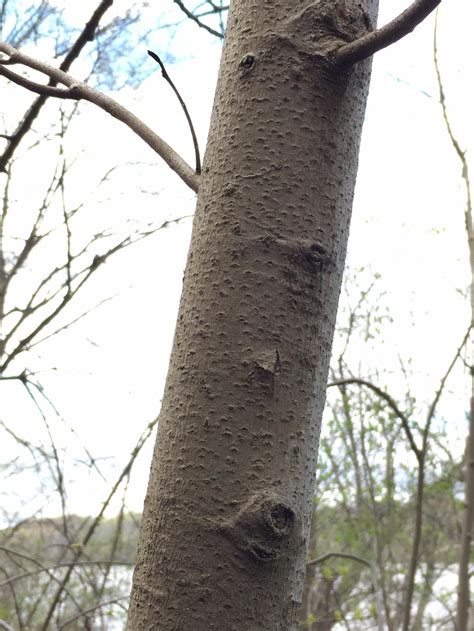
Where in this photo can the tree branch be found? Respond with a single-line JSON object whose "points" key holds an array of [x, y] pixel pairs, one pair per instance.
{"points": [[37, 88], [93, 526], [439, 392], [57, 566], [371, 43], [194, 18], [391, 403], [114, 601], [167, 78], [87, 35], [342, 555], [80, 90]]}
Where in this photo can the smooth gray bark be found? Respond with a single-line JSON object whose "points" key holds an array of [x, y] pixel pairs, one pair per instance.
{"points": [[226, 519]]}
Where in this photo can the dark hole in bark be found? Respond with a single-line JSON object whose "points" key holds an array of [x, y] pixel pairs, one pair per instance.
{"points": [[247, 62], [282, 518]]}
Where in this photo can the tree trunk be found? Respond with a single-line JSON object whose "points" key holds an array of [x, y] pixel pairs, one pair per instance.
{"points": [[317, 607], [464, 597], [227, 512]]}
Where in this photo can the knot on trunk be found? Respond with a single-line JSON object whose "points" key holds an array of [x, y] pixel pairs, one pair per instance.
{"points": [[263, 527], [325, 25]]}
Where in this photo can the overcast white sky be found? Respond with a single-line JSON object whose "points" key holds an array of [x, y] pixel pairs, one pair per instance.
{"points": [[106, 376]]}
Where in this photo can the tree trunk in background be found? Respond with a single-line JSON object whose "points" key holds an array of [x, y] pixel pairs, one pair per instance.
{"points": [[227, 512], [317, 607], [464, 610], [463, 615]]}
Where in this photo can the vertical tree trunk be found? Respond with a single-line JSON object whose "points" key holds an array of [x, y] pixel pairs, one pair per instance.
{"points": [[464, 598], [464, 611], [227, 512]]}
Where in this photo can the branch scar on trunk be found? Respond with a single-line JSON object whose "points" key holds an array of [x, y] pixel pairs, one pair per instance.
{"points": [[264, 528], [266, 368]]}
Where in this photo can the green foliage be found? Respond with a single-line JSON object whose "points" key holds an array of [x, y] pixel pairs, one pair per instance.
{"points": [[365, 502], [310, 620]]}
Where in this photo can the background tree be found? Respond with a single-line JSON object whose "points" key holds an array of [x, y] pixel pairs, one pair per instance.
{"points": [[463, 601], [381, 538]]}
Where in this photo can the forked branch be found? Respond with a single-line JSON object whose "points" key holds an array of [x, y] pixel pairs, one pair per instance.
{"points": [[196, 19], [391, 403], [77, 90], [371, 43]]}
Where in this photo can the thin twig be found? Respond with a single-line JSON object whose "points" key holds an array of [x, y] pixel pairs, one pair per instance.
{"points": [[369, 44], [59, 566], [33, 86], [462, 158], [59, 472], [125, 472], [342, 555], [119, 526], [18, 609], [14, 553], [114, 601], [391, 403], [29, 341], [195, 19], [439, 392], [92, 462], [167, 78], [69, 256]]}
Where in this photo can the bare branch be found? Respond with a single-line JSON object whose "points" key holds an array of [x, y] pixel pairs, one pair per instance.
{"points": [[87, 35], [90, 531], [98, 260], [167, 78], [194, 18], [342, 555], [59, 477], [70, 323], [14, 553], [84, 276], [371, 43], [462, 158], [439, 392], [80, 90], [37, 88], [91, 461], [114, 601], [59, 566], [391, 403]]}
